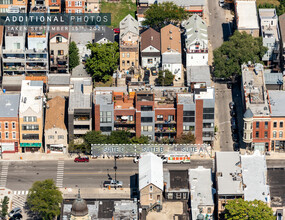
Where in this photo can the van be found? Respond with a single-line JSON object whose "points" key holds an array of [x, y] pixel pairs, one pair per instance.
{"points": [[177, 158]]}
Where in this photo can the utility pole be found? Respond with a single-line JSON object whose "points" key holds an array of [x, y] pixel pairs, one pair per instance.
{"points": [[115, 168]]}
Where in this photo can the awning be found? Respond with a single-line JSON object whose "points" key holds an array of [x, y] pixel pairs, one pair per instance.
{"points": [[124, 117], [30, 144], [193, 10]]}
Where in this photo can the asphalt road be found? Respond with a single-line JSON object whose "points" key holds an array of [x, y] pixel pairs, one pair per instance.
{"points": [[21, 175]]}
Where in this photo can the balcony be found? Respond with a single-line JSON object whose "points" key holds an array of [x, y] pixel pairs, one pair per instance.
{"points": [[82, 120], [125, 129], [37, 68], [166, 122], [197, 51], [165, 130], [80, 131], [14, 68], [124, 122]]}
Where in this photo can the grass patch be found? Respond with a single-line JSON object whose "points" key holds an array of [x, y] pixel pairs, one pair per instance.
{"points": [[273, 2], [118, 11], [102, 84]]}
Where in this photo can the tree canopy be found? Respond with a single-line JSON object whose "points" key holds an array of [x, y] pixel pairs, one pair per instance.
{"points": [[44, 199], [73, 55], [238, 209], [4, 207], [240, 49], [188, 138], [165, 78], [103, 60], [160, 15]]}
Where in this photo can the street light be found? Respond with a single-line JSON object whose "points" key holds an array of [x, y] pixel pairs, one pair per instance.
{"points": [[115, 168]]}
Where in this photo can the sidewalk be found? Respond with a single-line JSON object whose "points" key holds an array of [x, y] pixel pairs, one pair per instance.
{"points": [[37, 156]]}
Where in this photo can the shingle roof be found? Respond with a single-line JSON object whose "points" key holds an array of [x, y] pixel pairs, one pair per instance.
{"points": [[150, 37], [55, 113], [63, 34], [107, 33], [170, 39], [129, 24], [248, 113], [150, 171], [9, 105]]}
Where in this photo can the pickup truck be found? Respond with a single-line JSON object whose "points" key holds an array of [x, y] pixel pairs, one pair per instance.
{"points": [[113, 183]]}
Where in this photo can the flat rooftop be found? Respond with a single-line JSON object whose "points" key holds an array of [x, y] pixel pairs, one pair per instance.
{"points": [[229, 173], [9, 105], [198, 74], [276, 181], [269, 31], [254, 173], [176, 180], [277, 100], [247, 15], [78, 98]]}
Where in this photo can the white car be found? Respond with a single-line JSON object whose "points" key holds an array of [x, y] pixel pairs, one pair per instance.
{"points": [[221, 3]]}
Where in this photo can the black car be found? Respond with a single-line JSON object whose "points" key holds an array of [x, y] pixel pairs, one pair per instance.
{"points": [[146, 79], [233, 113], [235, 137], [229, 85], [147, 73], [16, 216], [236, 146]]}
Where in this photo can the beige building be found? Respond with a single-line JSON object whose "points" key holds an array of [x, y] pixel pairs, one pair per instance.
{"points": [[55, 129], [150, 181], [129, 43], [31, 116], [92, 6]]}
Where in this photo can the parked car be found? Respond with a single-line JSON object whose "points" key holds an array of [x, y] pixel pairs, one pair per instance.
{"points": [[136, 159], [153, 71], [229, 85], [221, 3], [16, 216], [233, 112], [147, 73], [146, 79], [236, 147], [116, 30], [231, 105], [233, 123], [235, 137], [113, 183], [15, 211], [81, 159]]}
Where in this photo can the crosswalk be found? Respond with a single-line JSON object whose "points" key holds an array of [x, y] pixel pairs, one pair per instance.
{"points": [[60, 171], [19, 198], [4, 174]]}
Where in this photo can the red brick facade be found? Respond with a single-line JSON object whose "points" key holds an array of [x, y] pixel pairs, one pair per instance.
{"points": [[10, 131], [71, 8], [199, 122], [138, 124], [97, 117], [179, 119], [261, 132]]}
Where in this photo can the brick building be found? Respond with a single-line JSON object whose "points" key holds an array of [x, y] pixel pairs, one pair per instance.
{"points": [[9, 123], [159, 113], [75, 6], [55, 6]]}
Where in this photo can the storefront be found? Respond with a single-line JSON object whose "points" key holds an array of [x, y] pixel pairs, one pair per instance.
{"points": [[30, 147], [8, 147], [56, 148]]}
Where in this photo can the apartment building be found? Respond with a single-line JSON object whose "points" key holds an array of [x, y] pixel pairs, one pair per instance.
{"points": [[257, 123], [246, 17], [9, 123], [40, 6], [196, 41], [58, 51], [229, 183], [75, 6], [55, 128], [282, 40], [13, 6], [270, 34], [171, 50], [129, 44], [150, 48], [161, 113], [31, 115], [54, 6], [201, 190], [79, 108]]}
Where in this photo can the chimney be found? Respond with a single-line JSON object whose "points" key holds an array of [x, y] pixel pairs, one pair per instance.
{"points": [[151, 38]]}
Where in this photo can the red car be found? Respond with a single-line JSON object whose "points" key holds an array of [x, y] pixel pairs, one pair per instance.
{"points": [[116, 30], [81, 159]]}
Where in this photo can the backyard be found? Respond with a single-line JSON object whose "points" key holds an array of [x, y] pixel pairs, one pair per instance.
{"points": [[118, 10], [261, 2]]}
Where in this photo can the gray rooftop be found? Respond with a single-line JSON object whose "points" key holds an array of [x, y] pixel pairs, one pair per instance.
{"points": [[254, 173], [9, 105], [198, 74], [171, 58], [105, 32], [77, 97], [59, 79], [187, 98], [129, 24], [277, 100], [104, 98], [273, 78], [228, 172], [248, 113]]}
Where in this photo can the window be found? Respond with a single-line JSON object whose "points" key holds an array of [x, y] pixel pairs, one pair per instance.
{"points": [[30, 119], [128, 62], [14, 135], [58, 39], [123, 54], [170, 117], [106, 129], [159, 117], [281, 124], [69, 3], [149, 61], [0, 135], [281, 134], [128, 54], [0, 125], [265, 134], [150, 188], [178, 195], [188, 128], [6, 125], [208, 134], [274, 134], [53, 1], [208, 113], [60, 137], [6, 135], [6, 2], [105, 117], [146, 108], [150, 196], [146, 128], [51, 52], [30, 127], [257, 124], [30, 136], [188, 116], [13, 125], [257, 134], [60, 52], [17, 46], [123, 63], [275, 124], [266, 125], [209, 210], [50, 137], [146, 119], [208, 125]]}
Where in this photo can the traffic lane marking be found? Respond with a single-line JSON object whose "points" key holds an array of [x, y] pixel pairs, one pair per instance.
{"points": [[98, 173]]}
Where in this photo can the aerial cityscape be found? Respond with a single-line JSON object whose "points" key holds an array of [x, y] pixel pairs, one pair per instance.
{"points": [[142, 109]]}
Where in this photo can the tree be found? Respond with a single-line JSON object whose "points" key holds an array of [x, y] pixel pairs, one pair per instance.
{"points": [[95, 137], [165, 78], [188, 138], [238, 209], [119, 137], [241, 48], [103, 60], [4, 207], [44, 199], [73, 55], [140, 140], [160, 15]]}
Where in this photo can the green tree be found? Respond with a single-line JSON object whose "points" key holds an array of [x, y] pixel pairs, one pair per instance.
{"points": [[4, 207], [73, 55], [103, 60], [119, 137], [188, 138], [95, 137], [240, 49], [165, 78], [44, 199], [160, 15], [140, 140], [238, 209]]}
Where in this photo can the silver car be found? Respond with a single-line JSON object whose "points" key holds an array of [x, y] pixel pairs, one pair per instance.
{"points": [[15, 211]]}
